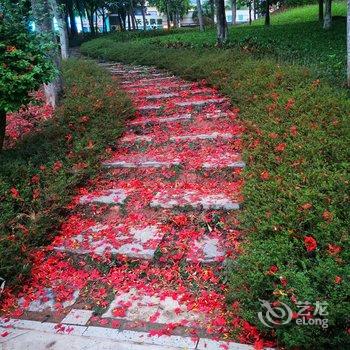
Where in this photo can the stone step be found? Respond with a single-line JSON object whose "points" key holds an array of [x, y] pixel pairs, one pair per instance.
{"points": [[134, 242], [206, 250], [112, 196], [161, 96], [140, 164], [175, 85], [148, 82], [227, 160], [211, 136], [190, 137], [149, 108], [179, 118], [138, 305], [200, 102], [194, 199]]}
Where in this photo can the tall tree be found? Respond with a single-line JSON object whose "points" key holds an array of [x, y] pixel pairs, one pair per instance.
{"points": [[320, 10], [267, 12], [70, 9], [327, 22], [234, 11], [200, 15], [62, 28], [221, 24], [348, 41], [143, 10], [43, 17]]}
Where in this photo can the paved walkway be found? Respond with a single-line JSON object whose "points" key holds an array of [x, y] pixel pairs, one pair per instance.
{"points": [[140, 258]]}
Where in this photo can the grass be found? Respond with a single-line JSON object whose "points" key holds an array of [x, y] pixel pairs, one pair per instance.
{"points": [[38, 176], [295, 36], [297, 148]]}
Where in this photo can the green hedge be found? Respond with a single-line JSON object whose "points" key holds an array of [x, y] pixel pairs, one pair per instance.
{"points": [[38, 177], [297, 147]]}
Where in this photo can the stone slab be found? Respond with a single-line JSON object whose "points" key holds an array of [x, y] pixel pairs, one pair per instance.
{"points": [[140, 164], [139, 243], [41, 340], [78, 317], [48, 301], [200, 102], [211, 136], [113, 196], [134, 337], [48, 327], [209, 344], [206, 250], [149, 108], [194, 199], [161, 96], [149, 308], [135, 90], [162, 120], [211, 165], [136, 138]]}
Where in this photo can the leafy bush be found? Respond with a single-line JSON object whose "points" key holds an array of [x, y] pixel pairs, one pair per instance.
{"points": [[38, 177], [295, 36], [296, 217]]}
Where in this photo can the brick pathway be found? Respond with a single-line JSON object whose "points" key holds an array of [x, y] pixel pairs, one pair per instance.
{"points": [[145, 244]]}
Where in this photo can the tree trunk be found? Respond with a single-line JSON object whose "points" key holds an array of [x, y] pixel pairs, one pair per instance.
{"points": [[221, 25], [143, 10], [73, 25], [234, 11], [129, 23], [2, 128], [43, 15], [327, 22], [62, 28], [90, 17], [267, 13], [250, 12], [168, 14], [255, 10], [104, 26], [174, 20], [320, 10], [96, 23], [212, 10], [200, 15], [348, 41], [132, 15]]}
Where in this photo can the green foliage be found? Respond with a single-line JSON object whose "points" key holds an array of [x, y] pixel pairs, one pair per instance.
{"points": [[24, 66], [295, 36], [38, 177], [297, 149]]}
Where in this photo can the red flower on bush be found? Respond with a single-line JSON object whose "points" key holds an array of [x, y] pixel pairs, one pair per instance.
{"points": [[310, 243], [57, 166], [280, 147], [333, 249], [273, 269], [327, 215], [264, 175], [293, 130], [337, 280], [289, 104], [14, 192]]}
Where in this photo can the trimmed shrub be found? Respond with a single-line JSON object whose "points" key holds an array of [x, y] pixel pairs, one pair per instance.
{"points": [[38, 176]]}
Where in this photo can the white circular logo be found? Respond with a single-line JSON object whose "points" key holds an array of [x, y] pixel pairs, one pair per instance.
{"points": [[274, 315]]}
